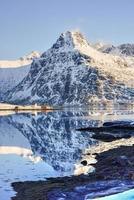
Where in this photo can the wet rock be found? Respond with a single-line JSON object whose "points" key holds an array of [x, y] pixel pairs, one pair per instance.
{"points": [[84, 162], [109, 177], [131, 175], [119, 124], [111, 131], [122, 161]]}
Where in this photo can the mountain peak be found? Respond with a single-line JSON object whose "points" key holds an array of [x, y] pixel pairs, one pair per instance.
{"points": [[72, 72], [70, 40], [79, 39], [31, 56]]}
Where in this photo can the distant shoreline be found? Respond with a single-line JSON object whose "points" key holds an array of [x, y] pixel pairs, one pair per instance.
{"points": [[35, 107], [25, 109], [11, 107]]}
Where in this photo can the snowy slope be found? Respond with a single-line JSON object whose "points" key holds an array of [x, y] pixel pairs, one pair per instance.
{"points": [[121, 50], [25, 60], [10, 77], [72, 72], [13, 72]]}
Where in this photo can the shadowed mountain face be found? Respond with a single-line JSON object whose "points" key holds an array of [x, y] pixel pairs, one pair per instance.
{"points": [[10, 77], [12, 72], [72, 72]]}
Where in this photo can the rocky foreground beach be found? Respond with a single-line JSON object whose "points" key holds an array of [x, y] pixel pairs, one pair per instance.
{"points": [[114, 172]]}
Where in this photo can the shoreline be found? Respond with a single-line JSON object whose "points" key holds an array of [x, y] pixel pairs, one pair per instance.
{"points": [[28, 108], [115, 163]]}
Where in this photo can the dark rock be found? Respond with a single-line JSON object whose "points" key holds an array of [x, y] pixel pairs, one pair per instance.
{"points": [[119, 124], [123, 161], [84, 162], [108, 176], [111, 131], [123, 49]]}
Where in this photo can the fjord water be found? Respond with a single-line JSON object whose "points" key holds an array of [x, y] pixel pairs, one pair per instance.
{"points": [[34, 146], [128, 195]]}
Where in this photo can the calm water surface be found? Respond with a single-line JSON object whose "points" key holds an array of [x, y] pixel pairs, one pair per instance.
{"points": [[35, 146]]}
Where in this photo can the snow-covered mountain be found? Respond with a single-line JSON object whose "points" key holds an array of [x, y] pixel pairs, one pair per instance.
{"points": [[72, 72], [121, 50], [12, 72], [10, 77], [22, 61]]}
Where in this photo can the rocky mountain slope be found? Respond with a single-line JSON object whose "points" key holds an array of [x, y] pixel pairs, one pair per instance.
{"points": [[121, 50], [73, 72], [12, 72]]}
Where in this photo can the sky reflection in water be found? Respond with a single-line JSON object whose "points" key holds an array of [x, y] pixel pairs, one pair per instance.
{"points": [[34, 147]]}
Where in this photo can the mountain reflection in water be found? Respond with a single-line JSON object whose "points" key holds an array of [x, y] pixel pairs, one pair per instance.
{"points": [[45, 145]]}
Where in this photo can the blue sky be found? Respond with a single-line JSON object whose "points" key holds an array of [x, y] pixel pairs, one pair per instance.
{"points": [[27, 25]]}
